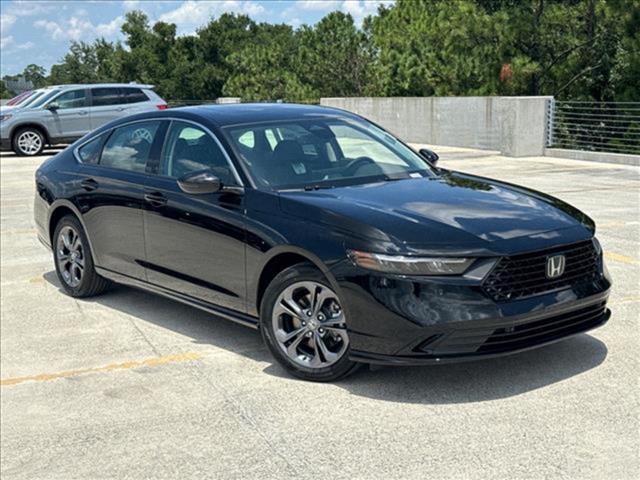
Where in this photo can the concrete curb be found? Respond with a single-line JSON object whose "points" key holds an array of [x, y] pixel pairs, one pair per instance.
{"points": [[603, 157]]}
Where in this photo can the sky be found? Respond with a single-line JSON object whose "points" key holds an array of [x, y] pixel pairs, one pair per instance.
{"points": [[33, 31]]}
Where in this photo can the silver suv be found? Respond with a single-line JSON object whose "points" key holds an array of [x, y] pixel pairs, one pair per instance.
{"points": [[62, 114]]}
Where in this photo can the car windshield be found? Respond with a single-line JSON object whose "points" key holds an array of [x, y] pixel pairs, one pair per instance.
{"points": [[40, 99], [322, 152]]}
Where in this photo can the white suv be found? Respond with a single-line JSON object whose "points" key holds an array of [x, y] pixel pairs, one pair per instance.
{"points": [[64, 113]]}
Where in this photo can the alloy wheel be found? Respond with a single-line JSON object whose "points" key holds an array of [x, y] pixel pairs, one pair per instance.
{"points": [[309, 325], [29, 143], [70, 256]]}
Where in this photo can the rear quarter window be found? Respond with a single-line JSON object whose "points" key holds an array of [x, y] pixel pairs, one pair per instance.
{"points": [[90, 151], [133, 95]]}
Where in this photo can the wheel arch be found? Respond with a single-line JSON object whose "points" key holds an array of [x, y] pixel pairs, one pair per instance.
{"points": [[59, 209], [38, 126], [281, 258]]}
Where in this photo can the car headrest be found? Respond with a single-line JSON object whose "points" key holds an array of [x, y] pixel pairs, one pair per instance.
{"points": [[287, 152]]}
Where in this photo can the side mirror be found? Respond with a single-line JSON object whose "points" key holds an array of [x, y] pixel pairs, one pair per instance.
{"points": [[429, 155], [53, 106], [200, 182]]}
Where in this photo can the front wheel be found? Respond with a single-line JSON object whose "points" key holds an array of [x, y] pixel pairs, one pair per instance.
{"points": [[28, 142], [304, 325]]}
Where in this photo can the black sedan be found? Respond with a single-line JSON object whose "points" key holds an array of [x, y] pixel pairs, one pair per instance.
{"points": [[339, 242]]}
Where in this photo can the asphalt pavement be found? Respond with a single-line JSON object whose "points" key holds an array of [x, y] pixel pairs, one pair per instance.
{"points": [[132, 385]]}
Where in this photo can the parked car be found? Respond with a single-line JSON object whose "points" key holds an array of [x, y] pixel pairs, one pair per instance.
{"points": [[65, 113], [339, 242], [19, 98]]}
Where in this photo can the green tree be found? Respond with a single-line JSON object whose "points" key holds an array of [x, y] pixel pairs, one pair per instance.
{"points": [[333, 57], [572, 49], [436, 47], [265, 71], [35, 74]]}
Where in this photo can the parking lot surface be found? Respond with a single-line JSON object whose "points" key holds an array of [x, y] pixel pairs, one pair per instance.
{"points": [[132, 385]]}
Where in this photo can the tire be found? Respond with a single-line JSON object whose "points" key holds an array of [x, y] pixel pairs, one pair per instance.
{"points": [[311, 346], [28, 142], [74, 262]]}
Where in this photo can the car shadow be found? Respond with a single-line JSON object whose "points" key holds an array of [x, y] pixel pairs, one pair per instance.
{"points": [[455, 383]]}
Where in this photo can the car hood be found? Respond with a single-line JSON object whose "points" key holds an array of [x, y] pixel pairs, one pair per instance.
{"points": [[450, 211]]}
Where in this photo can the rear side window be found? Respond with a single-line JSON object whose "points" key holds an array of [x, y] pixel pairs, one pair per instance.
{"points": [[128, 147], [71, 99], [102, 97], [133, 95], [90, 151]]}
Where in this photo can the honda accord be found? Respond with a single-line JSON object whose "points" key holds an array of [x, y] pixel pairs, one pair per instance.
{"points": [[336, 240]]}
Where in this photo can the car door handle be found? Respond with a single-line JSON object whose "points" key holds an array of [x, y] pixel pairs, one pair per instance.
{"points": [[83, 112], [89, 184], [155, 199], [119, 109]]}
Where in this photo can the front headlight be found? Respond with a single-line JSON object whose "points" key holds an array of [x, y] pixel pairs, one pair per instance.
{"points": [[403, 265], [4, 117]]}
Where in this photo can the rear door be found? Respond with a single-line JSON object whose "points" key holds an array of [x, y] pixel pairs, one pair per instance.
{"points": [[113, 184], [134, 100], [106, 105], [71, 117]]}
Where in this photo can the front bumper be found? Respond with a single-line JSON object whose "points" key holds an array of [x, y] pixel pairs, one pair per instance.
{"points": [[400, 321], [5, 144]]}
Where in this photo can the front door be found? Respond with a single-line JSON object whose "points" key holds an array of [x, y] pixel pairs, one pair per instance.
{"points": [[195, 243], [69, 117]]}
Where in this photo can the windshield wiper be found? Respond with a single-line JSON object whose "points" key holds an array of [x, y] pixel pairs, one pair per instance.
{"points": [[316, 186]]}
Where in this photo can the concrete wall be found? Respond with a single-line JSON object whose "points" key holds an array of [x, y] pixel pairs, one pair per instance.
{"points": [[515, 126]]}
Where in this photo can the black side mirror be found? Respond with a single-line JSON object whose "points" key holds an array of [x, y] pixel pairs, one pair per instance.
{"points": [[200, 182], [53, 106], [429, 155]]}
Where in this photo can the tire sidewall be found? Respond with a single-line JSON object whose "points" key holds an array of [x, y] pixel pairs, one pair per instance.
{"points": [[16, 136], [89, 271], [298, 273]]}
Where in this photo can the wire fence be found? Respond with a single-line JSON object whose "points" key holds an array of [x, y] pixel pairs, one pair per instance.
{"points": [[223, 100], [594, 126]]}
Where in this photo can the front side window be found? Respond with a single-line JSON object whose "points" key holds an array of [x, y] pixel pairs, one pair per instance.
{"points": [[189, 148], [90, 151], [71, 99], [322, 152], [40, 100], [128, 147], [102, 97]]}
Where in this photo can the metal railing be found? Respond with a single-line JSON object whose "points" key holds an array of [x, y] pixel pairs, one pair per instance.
{"points": [[594, 126]]}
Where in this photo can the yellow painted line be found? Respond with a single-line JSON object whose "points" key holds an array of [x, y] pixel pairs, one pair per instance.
{"points": [[616, 257], [624, 300], [149, 362], [36, 280], [613, 223]]}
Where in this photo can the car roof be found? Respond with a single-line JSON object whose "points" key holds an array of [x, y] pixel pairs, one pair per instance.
{"points": [[244, 113], [98, 85]]}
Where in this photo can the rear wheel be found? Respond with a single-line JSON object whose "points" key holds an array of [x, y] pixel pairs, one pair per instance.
{"points": [[304, 326], [28, 142], [73, 260]]}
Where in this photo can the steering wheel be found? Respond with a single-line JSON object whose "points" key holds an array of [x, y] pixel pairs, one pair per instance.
{"points": [[360, 162]]}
